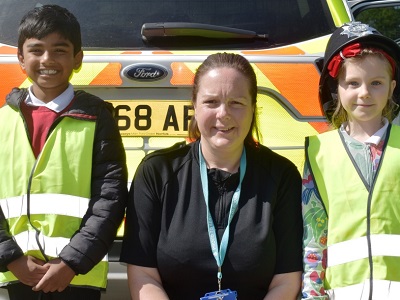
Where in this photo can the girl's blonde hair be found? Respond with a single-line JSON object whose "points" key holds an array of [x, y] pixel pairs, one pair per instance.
{"points": [[340, 116]]}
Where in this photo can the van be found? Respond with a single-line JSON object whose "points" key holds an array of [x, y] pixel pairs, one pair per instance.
{"points": [[141, 56]]}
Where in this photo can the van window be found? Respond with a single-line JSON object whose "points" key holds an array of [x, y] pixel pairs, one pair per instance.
{"points": [[385, 18], [118, 24]]}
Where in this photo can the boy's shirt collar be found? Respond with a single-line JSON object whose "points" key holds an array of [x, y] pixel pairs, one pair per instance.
{"points": [[57, 105], [376, 137]]}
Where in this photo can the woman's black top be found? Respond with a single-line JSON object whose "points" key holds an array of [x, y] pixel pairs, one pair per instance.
{"points": [[166, 222]]}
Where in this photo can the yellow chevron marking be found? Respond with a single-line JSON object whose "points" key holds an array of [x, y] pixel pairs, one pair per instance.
{"points": [[314, 46], [87, 73], [27, 83]]}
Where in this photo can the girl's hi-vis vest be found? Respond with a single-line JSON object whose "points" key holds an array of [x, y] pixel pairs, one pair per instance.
{"points": [[363, 223], [59, 192]]}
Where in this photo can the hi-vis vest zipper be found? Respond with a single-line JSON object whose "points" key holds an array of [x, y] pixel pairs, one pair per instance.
{"points": [[363, 224], [59, 193]]}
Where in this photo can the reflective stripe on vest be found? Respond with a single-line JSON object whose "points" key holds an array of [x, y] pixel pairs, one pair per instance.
{"points": [[53, 245], [338, 181], [383, 289], [60, 189], [58, 204], [381, 245]]}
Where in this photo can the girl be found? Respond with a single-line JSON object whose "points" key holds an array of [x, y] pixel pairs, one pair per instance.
{"points": [[351, 178]]}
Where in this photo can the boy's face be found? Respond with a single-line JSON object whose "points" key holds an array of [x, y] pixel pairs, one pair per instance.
{"points": [[49, 63]]}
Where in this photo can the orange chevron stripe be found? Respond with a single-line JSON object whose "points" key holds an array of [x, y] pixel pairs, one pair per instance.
{"points": [[110, 75], [15, 77], [162, 52], [296, 82], [320, 126], [8, 50], [132, 52], [181, 74], [292, 50]]}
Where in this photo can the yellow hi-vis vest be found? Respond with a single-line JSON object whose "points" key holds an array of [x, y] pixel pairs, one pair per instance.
{"points": [[59, 193], [363, 225]]}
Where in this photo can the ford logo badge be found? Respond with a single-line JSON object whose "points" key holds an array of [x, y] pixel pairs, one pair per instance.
{"points": [[145, 72]]}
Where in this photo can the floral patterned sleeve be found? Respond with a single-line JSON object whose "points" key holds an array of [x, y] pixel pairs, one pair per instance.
{"points": [[314, 240]]}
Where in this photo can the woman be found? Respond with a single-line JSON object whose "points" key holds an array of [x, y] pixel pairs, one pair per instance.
{"points": [[222, 212]]}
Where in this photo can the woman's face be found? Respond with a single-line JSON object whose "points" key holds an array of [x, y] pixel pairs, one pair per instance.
{"points": [[223, 109]]}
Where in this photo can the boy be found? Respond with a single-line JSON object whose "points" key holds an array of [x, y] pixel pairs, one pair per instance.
{"points": [[64, 180]]}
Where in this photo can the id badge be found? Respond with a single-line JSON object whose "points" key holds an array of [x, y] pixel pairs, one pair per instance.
{"points": [[220, 295]]}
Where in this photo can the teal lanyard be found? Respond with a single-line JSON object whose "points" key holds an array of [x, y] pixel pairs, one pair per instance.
{"points": [[219, 254]]}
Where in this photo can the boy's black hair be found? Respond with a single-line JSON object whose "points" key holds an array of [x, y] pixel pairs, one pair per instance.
{"points": [[46, 19]]}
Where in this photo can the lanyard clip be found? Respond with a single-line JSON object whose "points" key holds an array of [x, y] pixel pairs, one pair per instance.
{"points": [[219, 278]]}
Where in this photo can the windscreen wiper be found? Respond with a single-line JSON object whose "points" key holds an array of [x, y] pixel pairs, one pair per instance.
{"points": [[184, 29]]}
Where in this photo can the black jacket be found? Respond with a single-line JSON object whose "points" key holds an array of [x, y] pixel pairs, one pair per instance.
{"points": [[108, 187]]}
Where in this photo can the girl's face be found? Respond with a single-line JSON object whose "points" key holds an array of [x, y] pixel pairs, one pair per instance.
{"points": [[223, 109], [364, 89]]}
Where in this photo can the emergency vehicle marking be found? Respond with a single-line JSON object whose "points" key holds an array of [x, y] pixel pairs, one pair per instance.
{"points": [[98, 74], [315, 46], [339, 11], [287, 50], [14, 78], [182, 73], [292, 83], [5, 49]]}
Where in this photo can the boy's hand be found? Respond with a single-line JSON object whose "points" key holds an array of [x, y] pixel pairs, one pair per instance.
{"points": [[28, 269], [57, 278]]}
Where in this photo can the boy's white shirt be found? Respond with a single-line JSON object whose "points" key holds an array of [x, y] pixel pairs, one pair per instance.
{"points": [[57, 105]]}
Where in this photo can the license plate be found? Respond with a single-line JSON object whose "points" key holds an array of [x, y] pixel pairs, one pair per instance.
{"points": [[153, 117]]}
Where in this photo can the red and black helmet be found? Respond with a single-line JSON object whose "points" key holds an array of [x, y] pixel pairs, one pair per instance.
{"points": [[344, 36]]}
